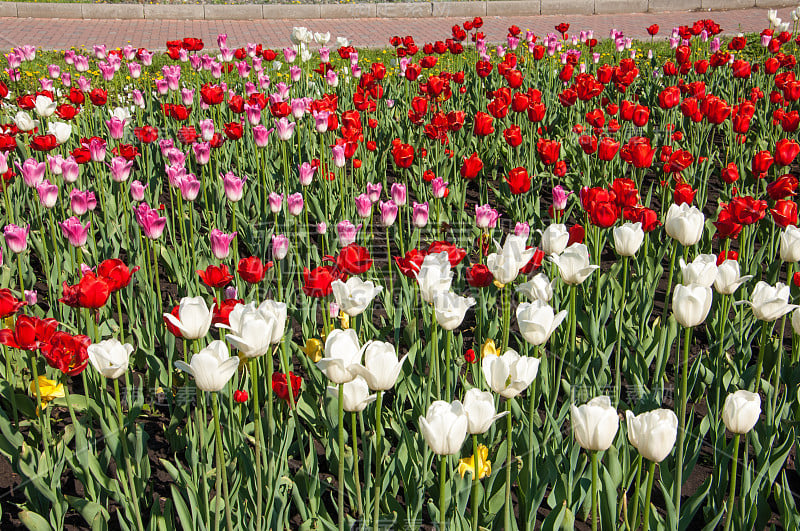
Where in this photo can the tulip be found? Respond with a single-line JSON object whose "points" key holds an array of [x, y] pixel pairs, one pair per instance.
{"points": [[306, 172], [24, 122], [770, 302], [120, 169], [790, 244], [537, 321], [48, 194], [16, 238], [450, 309], [444, 427], [110, 357], [381, 366], [555, 239], [653, 433], [363, 206], [356, 395], [284, 129], [522, 229], [212, 367], [538, 288], [341, 355], [374, 191], [32, 172], [510, 374], [294, 204], [701, 272], [189, 187], [512, 257], [480, 410], [728, 279], [691, 304], [251, 330], [194, 317], [740, 414], [434, 276], [684, 223], [221, 243], [233, 187], [419, 214], [628, 238], [398, 193], [280, 246], [595, 424], [74, 231], [573, 264], [347, 232], [62, 131], [388, 212], [44, 106], [354, 295], [486, 217]]}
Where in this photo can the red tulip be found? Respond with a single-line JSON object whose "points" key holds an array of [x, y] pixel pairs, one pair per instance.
{"points": [[222, 311], [403, 155], [353, 260], [518, 181], [683, 194], [28, 333], [747, 210], [215, 276], [251, 269], [317, 282], [652, 29], [786, 151], [454, 254], [67, 353], [410, 263], [548, 150], [607, 148], [93, 291], [483, 124], [761, 163], [513, 136], [115, 273], [281, 388], [727, 226], [785, 186], [9, 305], [479, 276], [784, 213], [472, 166]]}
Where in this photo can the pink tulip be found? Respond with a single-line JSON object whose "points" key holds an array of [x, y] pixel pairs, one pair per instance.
{"points": [[280, 246], [137, 190], [202, 152], [54, 71], [32, 172], [53, 162], [189, 187], [31, 297], [261, 135], [294, 73], [363, 206], [347, 232], [165, 145], [233, 187], [48, 194], [398, 193], [298, 107], [419, 214], [106, 70], [560, 196], [187, 96], [522, 229], [82, 201], [289, 54], [324, 55], [374, 191], [486, 217], [306, 171], [135, 70], [388, 213], [97, 149], [151, 223], [253, 113], [70, 170], [221, 243], [339, 159], [284, 129], [16, 237], [222, 39], [439, 187], [74, 231], [275, 202], [322, 228], [320, 120], [120, 169], [294, 204]]}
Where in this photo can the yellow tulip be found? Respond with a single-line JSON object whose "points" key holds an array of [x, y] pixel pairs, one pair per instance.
{"points": [[484, 465], [488, 349], [50, 390], [313, 349]]}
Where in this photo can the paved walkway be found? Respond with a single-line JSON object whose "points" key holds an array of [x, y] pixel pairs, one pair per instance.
{"points": [[153, 34]]}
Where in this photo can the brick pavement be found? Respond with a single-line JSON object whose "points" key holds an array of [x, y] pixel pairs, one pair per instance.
{"points": [[153, 34]]}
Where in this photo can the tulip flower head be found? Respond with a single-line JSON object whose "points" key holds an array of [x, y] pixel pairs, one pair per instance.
{"points": [[595, 424], [690, 304], [251, 330], [538, 288], [110, 357], [356, 395], [434, 276], [341, 355], [388, 212], [486, 217], [16, 237], [702, 271], [212, 367], [628, 238], [450, 309], [280, 246], [684, 223], [481, 413], [741, 411], [354, 295], [221, 243], [510, 374], [513, 256], [555, 239], [790, 244], [194, 317], [74, 231], [653, 433], [444, 427], [728, 279], [381, 367], [537, 321], [769, 303], [573, 264], [347, 232]]}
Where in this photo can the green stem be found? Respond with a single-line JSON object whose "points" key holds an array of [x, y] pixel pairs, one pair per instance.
{"points": [[378, 454], [12, 381], [634, 516], [222, 473], [21, 280], [448, 388], [594, 490], [258, 432], [442, 496], [683, 366], [765, 326], [509, 432], [651, 475], [123, 436], [732, 491], [341, 457], [720, 356], [475, 481], [618, 353], [354, 444]]}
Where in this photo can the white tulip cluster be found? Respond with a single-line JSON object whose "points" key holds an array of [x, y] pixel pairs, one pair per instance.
{"points": [[691, 300]]}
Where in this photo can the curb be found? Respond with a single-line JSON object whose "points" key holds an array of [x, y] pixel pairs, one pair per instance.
{"points": [[369, 10]]}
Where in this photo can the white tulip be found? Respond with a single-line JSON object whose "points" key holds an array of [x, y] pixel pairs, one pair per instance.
{"points": [[510, 374], [702, 271], [690, 304], [276, 312], [381, 366], [434, 275], [480, 409], [790, 244], [653, 433], [110, 357], [728, 279], [796, 321], [573, 264], [341, 355], [537, 321], [450, 309], [24, 122], [512, 257], [595, 424], [555, 239], [741, 411], [251, 330], [444, 427], [684, 223], [322, 38], [538, 288], [628, 238], [212, 367], [354, 295], [62, 131], [770, 302], [356, 395], [194, 317], [44, 106], [342, 42]]}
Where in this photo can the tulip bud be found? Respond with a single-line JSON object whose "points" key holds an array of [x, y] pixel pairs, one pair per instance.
{"points": [[690, 304], [628, 238], [653, 433], [444, 427], [741, 411], [595, 424]]}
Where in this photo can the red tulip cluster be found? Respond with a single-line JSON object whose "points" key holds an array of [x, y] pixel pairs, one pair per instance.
{"points": [[62, 351]]}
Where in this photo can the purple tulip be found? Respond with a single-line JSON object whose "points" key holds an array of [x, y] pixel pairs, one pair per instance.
{"points": [[419, 214], [137, 190], [486, 217], [221, 243], [284, 129], [202, 152], [374, 191], [307, 172], [31, 297], [32, 172], [16, 237], [280, 246], [398, 193], [82, 201], [347, 232], [189, 186], [294, 203], [120, 169], [364, 206], [388, 213], [48, 194], [151, 223], [439, 187], [74, 231]]}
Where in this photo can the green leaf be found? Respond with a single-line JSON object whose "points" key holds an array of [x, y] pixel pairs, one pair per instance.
{"points": [[33, 521]]}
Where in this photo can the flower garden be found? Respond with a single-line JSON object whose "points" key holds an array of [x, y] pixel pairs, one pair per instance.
{"points": [[546, 284]]}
